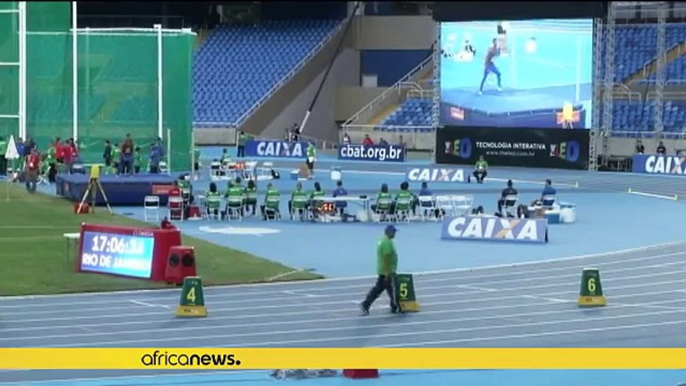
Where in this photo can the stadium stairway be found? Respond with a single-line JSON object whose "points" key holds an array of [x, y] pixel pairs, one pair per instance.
{"points": [[672, 54]]}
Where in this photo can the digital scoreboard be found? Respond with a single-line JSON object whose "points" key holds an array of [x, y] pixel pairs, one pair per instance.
{"points": [[117, 254], [133, 252]]}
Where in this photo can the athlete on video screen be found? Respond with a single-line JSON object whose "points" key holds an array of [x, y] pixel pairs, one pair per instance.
{"points": [[489, 66]]}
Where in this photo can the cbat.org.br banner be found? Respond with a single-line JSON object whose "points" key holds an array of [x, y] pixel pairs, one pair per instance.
{"points": [[377, 153]]}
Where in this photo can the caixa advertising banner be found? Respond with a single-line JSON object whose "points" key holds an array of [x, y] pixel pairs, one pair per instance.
{"points": [[276, 149], [543, 148], [495, 229]]}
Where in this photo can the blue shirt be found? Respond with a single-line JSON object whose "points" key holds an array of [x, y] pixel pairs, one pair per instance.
{"points": [[155, 156], [425, 192], [548, 190], [340, 192]]}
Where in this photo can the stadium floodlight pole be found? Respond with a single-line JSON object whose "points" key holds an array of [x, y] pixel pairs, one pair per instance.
{"points": [[160, 109], [328, 68], [75, 71], [22, 69]]}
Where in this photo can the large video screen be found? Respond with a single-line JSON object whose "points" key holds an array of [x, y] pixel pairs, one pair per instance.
{"points": [[530, 73]]}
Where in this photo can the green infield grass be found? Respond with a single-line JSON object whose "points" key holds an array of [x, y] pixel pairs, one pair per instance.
{"points": [[35, 259]]}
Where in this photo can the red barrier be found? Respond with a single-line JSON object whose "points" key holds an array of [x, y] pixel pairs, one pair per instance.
{"points": [[164, 240], [361, 374]]}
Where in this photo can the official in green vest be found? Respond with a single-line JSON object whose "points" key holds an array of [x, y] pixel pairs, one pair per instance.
{"points": [[251, 197], [384, 202], [235, 196], [386, 269], [51, 160], [480, 170], [315, 202], [403, 196], [311, 156], [116, 157], [299, 199], [271, 202], [212, 202], [3, 160], [226, 158], [242, 140]]}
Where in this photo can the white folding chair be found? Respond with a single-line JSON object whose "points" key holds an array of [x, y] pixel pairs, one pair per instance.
{"points": [[462, 204], [163, 167], [176, 208], [266, 169], [427, 208], [510, 205], [234, 208], [382, 213], [445, 206], [212, 206], [269, 211], [404, 213], [151, 208]]}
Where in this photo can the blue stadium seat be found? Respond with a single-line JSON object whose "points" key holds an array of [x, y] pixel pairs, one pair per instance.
{"points": [[238, 65], [407, 117]]}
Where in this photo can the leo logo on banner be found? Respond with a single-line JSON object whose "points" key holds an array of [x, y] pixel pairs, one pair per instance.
{"points": [[435, 175], [275, 149], [495, 228]]}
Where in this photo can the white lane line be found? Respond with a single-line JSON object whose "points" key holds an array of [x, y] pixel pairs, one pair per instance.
{"points": [[70, 381], [423, 289], [311, 283], [551, 300], [585, 331], [319, 304], [354, 327], [470, 330], [420, 284], [276, 316], [144, 304]]}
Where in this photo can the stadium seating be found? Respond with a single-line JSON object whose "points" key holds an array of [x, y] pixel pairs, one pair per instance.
{"points": [[412, 113], [238, 65]]}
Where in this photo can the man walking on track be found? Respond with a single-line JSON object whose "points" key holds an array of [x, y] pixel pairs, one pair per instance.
{"points": [[489, 66], [387, 264]]}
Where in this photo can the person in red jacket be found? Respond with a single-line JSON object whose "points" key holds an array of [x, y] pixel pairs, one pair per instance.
{"points": [[32, 170]]}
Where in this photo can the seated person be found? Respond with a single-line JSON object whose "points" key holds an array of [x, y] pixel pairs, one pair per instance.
{"points": [[384, 203], [299, 198], [186, 187], [225, 158], [251, 197], [426, 192], [405, 194], [212, 200], [235, 197], [509, 191], [315, 204], [338, 192], [480, 170], [271, 202], [548, 190]]}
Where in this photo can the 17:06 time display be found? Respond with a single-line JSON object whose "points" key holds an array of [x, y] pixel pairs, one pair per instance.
{"points": [[117, 245]]}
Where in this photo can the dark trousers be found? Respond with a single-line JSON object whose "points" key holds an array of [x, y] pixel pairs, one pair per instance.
{"points": [[490, 69], [3, 165], [52, 172], [480, 175], [154, 169], [382, 284], [240, 151], [137, 169]]}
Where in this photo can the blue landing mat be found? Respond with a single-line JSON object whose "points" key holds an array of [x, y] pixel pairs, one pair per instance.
{"points": [[120, 190]]}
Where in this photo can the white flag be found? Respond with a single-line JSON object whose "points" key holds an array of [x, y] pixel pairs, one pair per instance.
{"points": [[11, 152]]}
